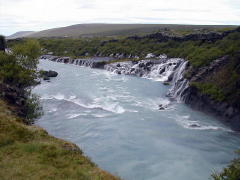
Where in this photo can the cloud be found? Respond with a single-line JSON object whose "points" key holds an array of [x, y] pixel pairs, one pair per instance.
{"points": [[18, 15], [181, 10]]}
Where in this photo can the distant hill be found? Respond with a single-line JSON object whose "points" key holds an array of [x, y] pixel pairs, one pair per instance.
{"points": [[20, 34], [90, 30]]}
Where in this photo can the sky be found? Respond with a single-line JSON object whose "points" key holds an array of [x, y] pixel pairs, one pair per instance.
{"points": [[35, 15]]}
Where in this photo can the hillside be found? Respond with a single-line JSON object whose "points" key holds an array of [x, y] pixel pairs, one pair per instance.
{"points": [[90, 30], [20, 34]]}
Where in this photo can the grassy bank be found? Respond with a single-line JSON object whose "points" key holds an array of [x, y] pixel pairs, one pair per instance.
{"points": [[28, 152]]}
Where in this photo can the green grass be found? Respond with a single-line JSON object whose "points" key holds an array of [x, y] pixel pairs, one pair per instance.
{"points": [[28, 152], [210, 89]]}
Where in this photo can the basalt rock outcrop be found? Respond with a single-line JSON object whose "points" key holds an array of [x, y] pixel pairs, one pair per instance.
{"points": [[14, 96], [46, 75], [96, 62], [228, 111], [208, 37]]}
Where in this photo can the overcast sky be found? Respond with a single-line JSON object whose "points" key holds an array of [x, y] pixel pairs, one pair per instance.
{"points": [[22, 15]]}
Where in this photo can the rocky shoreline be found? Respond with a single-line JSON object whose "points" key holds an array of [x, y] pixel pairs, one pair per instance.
{"points": [[169, 71]]}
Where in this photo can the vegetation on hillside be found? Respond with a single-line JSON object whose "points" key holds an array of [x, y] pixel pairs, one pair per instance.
{"points": [[223, 85], [199, 53]]}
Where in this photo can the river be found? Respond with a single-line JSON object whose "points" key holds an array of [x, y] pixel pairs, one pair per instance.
{"points": [[116, 121]]}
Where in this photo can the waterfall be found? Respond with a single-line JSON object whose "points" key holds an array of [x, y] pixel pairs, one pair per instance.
{"points": [[180, 84], [166, 70]]}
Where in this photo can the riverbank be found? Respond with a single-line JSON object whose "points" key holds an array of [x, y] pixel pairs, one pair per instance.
{"points": [[28, 152]]}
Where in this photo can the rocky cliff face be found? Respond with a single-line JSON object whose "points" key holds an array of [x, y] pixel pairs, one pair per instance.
{"points": [[209, 37], [228, 113], [227, 110], [14, 96]]}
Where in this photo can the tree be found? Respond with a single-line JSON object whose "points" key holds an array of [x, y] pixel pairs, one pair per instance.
{"points": [[18, 74], [2, 43], [27, 54], [19, 68]]}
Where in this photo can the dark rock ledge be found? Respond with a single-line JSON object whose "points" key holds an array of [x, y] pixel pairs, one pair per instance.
{"points": [[228, 113]]}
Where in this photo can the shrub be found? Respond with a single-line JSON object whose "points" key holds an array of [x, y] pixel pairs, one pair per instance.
{"points": [[210, 89], [18, 74], [2, 43], [232, 172], [32, 108]]}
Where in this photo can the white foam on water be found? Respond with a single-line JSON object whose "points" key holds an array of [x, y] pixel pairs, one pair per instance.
{"points": [[59, 96], [52, 110], [46, 97], [185, 122], [152, 104], [97, 103], [132, 110], [72, 116], [100, 115]]}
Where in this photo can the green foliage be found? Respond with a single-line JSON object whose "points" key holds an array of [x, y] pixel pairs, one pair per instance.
{"points": [[198, 53], [232, 172], [2, 43], [33, 108], [210, 89], [14, 74], [19, 67], [27, 54], [18, 71], [222, 84]]}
